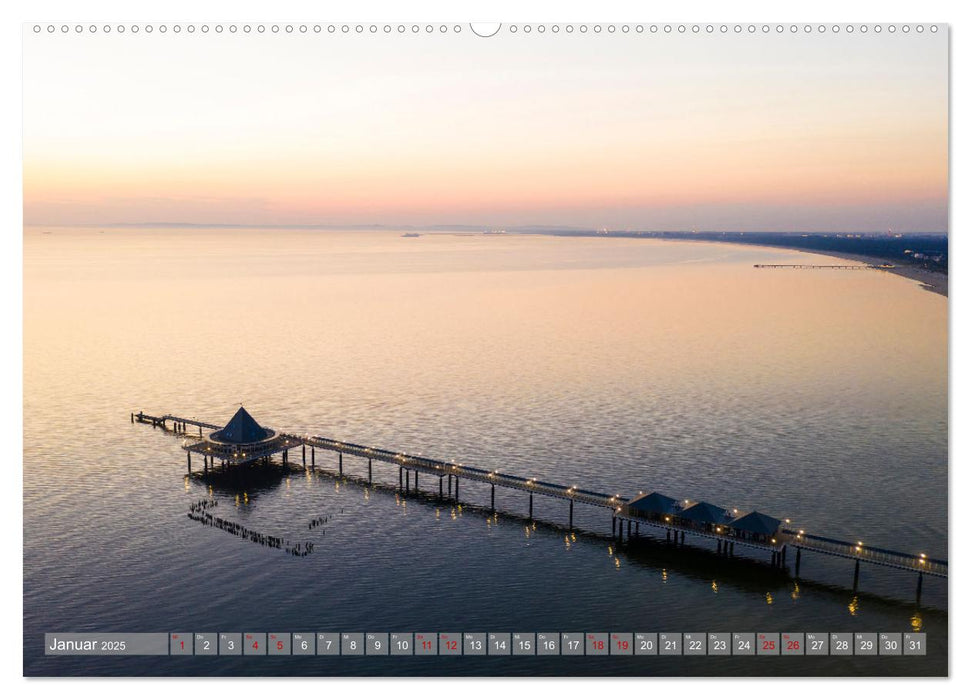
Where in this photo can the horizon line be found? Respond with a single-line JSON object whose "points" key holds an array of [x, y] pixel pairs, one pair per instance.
{"points": [[478, 228]]}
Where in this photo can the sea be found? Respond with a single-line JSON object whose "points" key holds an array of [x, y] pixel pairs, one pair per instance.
{"points": [[619, 365]]}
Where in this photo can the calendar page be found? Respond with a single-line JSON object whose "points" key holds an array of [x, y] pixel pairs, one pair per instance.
{"points": [[455, 349]]}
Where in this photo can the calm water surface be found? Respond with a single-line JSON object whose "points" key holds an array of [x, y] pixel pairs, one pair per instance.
{"points": [[619, 365]]}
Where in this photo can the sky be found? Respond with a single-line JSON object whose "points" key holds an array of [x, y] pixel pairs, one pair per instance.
{"points": [[831, 132]]}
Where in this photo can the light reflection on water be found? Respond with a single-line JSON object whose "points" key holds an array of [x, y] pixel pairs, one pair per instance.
{"points": [[614, 364]]}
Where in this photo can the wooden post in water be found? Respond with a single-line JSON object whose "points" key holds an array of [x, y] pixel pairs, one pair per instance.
{"points": [[493, 498], [856, 575], [637, 529], [188, 461], [920, 584], [456, 488], [303, 449], [369, 471], [613, 526], [205, 465], [340, 463], [628, 530], [133, 418], [401, 482], [416, 480], [407, 480], [313, 456], [571, 513], [798, 558], [441, 486], [530, 506]]}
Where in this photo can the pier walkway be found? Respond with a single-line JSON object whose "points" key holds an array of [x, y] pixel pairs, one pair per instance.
{"points": [[778, 543]]}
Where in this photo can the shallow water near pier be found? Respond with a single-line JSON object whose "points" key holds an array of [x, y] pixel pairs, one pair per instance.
{"points": [[618, 365]]}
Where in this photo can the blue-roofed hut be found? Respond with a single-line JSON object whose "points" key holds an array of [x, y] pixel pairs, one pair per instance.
{"points": [[707, 514], [755, 526], [654, 506]]}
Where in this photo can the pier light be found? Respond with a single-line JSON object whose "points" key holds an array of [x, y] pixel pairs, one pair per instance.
{"points": [[788, 521], [773, 540], [718, 529], [667, 518]]}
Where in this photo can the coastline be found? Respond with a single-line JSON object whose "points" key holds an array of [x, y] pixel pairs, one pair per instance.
{"points": [[935, 282], [930, 280]]}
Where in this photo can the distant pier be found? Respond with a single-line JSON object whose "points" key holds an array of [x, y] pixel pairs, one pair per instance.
{"points": [[676, 518], [884, 266]]}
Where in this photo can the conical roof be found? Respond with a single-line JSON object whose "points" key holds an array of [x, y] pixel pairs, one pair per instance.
{"points": [[756, 522], [241, 429], [706, 513]]}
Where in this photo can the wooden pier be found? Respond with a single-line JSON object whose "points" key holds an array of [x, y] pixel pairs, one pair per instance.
{"points": [[778, 544]]}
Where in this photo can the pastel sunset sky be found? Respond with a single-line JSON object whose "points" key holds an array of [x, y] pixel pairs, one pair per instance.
{"points": [[765, 132]]}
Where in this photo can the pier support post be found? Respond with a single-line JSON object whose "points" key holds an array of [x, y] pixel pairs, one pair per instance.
{"points": [[340, 463], [401, 482], [313, 456], [856, 575], [449, 485], [530, 506], [628, 530], [682, 539], [200, 431], [456, 488], [188, 461], [286, 457], [637, 529], [133, 418], [731, 551], [416, 480], [205, 465], [798, 558], [719, 546], [369, 471], [493, 498], [571, 513], [668, 536], [303, 449], [783, 562], [620, 530], [920, 584], [441, 487], [407, 480]]}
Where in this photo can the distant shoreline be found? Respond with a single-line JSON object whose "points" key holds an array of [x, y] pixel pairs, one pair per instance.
{"points": [[930, 280]]}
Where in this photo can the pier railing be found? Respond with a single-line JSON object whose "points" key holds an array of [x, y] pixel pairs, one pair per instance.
{"points": [[776, 542]]}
